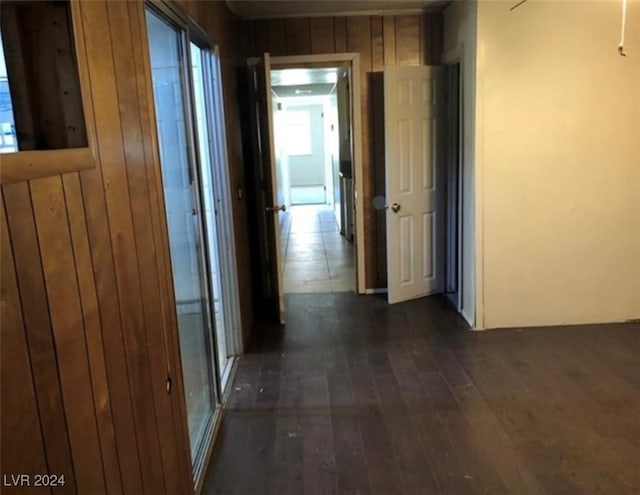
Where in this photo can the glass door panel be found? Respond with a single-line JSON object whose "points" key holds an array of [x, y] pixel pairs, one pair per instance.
{"points": [[200, 60], [185, 233]]}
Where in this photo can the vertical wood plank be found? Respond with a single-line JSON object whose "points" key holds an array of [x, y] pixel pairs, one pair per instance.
{"points": [[340, 34], [359, 40], [69, 333], [110, 133], [298, 36], [351, 465], [44, 96], [425, 39], [322, 35], [156, 352], [277, 37], [408, 40], [107, 293], [389, 33], [39, 333], [260, 37], [437, 38], [69, 96], [249, 30], [22, 448], [94, 331], [377, 44]]}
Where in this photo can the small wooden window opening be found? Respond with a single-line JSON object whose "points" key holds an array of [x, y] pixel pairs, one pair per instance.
{"points": [[44, 100]]}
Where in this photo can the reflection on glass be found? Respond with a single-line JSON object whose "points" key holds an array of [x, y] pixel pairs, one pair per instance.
{"points": [[184, 228], [198, 60], [8, 141]]}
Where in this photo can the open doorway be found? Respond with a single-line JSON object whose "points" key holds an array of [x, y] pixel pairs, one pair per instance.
{"points": [[312, 144], [423, 174], [274, 219]]}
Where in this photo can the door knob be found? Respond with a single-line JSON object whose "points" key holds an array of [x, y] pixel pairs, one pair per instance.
{"points": [[276, 208], [395, 207]]}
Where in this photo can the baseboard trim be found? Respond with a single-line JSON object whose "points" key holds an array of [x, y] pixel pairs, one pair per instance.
{"points": [[376, 291]]}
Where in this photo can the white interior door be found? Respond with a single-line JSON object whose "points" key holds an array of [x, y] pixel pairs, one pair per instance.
{"points": [[414, 182], [269, 193], [277, 204]]}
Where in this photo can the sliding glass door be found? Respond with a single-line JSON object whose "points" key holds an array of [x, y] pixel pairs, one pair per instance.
{"points": [[185, 73], [186, 240], [201, 71]]}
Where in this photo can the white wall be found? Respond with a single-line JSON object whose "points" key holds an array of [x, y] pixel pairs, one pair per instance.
{"points": [[558, 163], [282, 160], [460, 42], [309, 170]]}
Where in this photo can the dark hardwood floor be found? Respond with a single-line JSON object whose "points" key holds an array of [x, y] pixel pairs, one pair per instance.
{"points": [[355, 396]]}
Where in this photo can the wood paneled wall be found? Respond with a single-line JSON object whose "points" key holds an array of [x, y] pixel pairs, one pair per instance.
{"points": [[380, 41], [88, 328]]}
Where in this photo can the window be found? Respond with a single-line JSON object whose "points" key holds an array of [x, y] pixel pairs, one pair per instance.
{"points": [[297, 132], [43, 130], [8, 142], [43, 103]]}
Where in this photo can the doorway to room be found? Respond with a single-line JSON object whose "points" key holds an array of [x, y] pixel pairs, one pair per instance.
{"points": [[273, 211], [312, 136]]}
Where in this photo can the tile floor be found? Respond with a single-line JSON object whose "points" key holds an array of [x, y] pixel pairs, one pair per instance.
{"points": [[316, 257]]}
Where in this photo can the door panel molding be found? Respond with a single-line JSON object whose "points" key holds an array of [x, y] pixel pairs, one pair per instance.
{"points": [[414, 181]]}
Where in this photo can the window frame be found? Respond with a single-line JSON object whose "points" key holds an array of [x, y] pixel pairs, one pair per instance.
{"points": [[25, 165]]}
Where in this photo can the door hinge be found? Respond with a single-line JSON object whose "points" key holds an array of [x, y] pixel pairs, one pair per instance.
{"points": [[169, 384]]}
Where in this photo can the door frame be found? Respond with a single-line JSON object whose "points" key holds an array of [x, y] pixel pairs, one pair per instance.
{"points": [[471, 295], [222, 188], [353, 59], [455, 296]]}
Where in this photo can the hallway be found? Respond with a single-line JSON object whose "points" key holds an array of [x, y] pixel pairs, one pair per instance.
{"points": [[316, 257], [355, 396]]}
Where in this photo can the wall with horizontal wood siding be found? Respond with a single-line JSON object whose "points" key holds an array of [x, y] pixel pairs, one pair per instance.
{"points": [[88, 324], [381, 41]]}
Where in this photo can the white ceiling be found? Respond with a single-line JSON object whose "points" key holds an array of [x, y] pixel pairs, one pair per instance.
{"points": [[298, 77], [305, 91], [305, 82], [261, 9]]}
